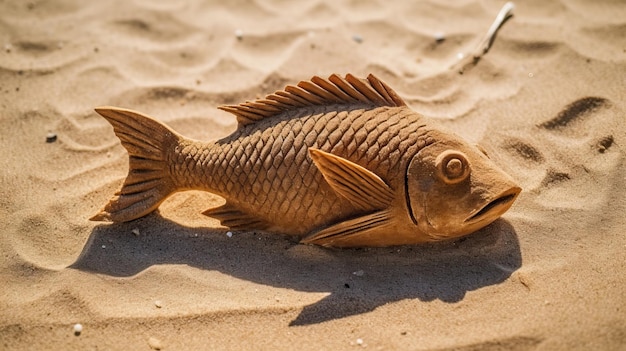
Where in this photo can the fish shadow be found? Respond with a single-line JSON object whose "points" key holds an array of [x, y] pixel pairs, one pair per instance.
{"points": [[357, 280]]}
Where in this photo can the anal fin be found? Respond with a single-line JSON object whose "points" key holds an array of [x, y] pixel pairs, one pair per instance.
{"points": [[373, 229], [236, 219]]}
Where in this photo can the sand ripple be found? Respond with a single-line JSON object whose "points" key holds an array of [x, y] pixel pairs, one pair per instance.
{"points": [[547, 102]]}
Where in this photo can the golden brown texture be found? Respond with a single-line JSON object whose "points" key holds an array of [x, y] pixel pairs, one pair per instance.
{"points": [[339, 160]]}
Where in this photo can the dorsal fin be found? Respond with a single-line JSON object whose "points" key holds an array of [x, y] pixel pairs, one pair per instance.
{"points": [[317, 92]]}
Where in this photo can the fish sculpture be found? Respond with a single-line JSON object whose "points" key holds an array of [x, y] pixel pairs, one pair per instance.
{"points": [[337, 162]]}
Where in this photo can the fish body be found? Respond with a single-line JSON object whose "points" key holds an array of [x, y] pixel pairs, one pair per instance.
{"points": [[337, 162]]}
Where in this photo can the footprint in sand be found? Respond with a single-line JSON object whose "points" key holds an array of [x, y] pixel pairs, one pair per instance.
{"points": [[576, 111], [581, 166]]}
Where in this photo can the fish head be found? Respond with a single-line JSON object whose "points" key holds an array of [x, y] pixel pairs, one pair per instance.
{"points": [[453, 188]]}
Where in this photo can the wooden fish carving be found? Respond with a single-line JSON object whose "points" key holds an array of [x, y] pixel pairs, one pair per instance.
{"points": [[339, 162]]}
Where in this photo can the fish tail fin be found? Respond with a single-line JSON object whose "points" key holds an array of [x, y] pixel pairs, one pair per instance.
{"points": [[149, 182]]}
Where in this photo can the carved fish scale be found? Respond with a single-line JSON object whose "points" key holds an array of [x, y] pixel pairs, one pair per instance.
{"points": [[264, 166]]}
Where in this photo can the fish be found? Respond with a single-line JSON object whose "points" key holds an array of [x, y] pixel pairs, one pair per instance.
{"points": [[337, 162]]}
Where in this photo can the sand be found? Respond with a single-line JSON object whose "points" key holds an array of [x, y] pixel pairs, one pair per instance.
{"points": [[548, 103]]}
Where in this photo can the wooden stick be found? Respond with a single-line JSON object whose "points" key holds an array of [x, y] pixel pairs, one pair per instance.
{"points": [[484, 45]]}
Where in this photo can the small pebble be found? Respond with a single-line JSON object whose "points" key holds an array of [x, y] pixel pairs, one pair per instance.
{"points": [[460, 56], [154, 343], [357, 38], [229, 234], [135, 231], [51, 138], [359, 273], [359, 341], [104, 246], [158, 303], [8, 47], [78, 328], [239, 34], [440, 37]]}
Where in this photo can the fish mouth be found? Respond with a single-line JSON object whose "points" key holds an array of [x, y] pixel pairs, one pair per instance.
{"points": [[496, 207]]}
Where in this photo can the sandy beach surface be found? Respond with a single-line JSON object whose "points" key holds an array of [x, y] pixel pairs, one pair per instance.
{"points": [[547, 102]]}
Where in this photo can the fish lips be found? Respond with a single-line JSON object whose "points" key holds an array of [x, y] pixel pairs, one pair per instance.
{"points": [[494, 208], [477, 219]]}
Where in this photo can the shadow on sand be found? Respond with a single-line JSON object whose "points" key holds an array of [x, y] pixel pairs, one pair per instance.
{"points": [[444, 271]]}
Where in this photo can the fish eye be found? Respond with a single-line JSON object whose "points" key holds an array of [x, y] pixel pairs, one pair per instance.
{"points": [[452, 166]]}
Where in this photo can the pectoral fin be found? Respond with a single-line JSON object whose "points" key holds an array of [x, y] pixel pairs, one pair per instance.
{"points": [[236, 219], [360, 186], [369, 230]]}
